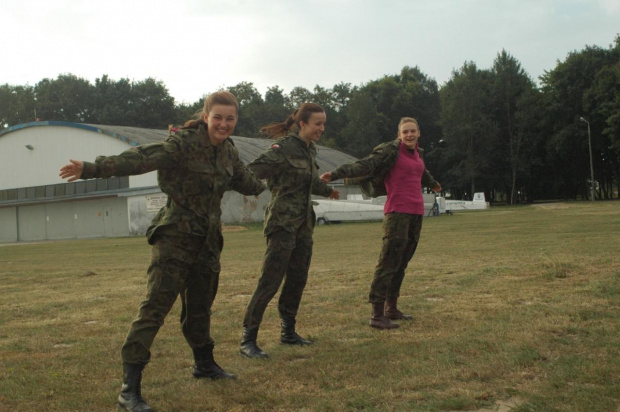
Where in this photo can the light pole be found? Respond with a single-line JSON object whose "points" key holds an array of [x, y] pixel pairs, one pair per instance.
{"points": [[591, 166]]}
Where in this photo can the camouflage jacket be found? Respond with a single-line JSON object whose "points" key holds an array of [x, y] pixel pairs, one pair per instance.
{"points": [[290, 168], [372, 169], [191, 171]]}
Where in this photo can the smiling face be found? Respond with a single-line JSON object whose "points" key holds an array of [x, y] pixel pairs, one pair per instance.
{"points": [[221, 121], [314, 128], [409, 133]]}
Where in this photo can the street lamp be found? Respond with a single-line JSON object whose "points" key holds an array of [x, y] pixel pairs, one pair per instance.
{"points": [[591, 167]]}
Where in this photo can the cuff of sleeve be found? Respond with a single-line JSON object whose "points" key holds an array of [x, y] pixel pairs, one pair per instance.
{"points": [[335, 176], [90, 170]]}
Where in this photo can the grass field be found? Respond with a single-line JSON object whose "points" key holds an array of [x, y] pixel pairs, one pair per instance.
{"points": [[516, 308]]}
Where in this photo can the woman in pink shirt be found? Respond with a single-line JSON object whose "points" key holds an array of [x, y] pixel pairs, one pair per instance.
{"points": [[395, 169]]}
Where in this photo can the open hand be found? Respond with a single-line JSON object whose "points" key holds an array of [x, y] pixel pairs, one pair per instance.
{"points": [[72, 171]]}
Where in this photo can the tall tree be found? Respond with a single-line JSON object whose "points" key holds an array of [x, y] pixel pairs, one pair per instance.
{"points": [[151, 105], [277, 106], [469, 130], [251, 109], [408, 94], [363, 130], [17, 105], [510, 83], [565, 88], [340, 97], [67, 97], [602, 101], [113, 100], [531, 137], [300, 95]]}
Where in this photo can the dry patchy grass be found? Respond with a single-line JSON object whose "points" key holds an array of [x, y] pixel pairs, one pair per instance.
{"points": [[515, 308]]}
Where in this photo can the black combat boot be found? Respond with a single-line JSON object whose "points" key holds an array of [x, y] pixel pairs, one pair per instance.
{"points": [[391, 311], [130, 398], [248, 346], [378, 319], [205, 366], [289, 336]]}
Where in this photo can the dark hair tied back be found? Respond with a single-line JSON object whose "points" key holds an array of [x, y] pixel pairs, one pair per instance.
{"points": [[302, 114]]}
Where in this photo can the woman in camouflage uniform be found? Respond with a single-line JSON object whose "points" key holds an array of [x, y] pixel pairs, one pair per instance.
{"points": [[289, 166], [395, 169], [195, 165]]}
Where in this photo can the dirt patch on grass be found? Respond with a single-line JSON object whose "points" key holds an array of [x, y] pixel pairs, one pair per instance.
{"points": [[552, 206], [233, 228], [503, 406]]}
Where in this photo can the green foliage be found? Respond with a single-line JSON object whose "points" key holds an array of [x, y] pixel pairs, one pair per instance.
{"points": [[150, 104], [66, 98], [488, 130], [251, 106], [69, 98], [585, 85], [511, 85], [16, 105], [375, 109], [363, 130], [470, 130], [112, 100]]}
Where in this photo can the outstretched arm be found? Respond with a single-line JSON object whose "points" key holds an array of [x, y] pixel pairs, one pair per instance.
{"points": [[244, 180], [359, 168], [135, 161], [72, 171]]}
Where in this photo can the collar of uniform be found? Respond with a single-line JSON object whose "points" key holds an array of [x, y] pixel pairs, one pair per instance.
{"points": [[300, 140], [204, 136]]}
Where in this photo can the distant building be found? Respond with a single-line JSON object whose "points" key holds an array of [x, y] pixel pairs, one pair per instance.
{"points": [[36, 204]]}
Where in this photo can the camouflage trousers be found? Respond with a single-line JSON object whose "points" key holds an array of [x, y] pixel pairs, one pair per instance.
{"points": [[185, 265], [287, 257], [401, 234]]}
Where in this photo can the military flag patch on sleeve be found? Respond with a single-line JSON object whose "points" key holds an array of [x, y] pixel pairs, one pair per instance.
{"points": [[275, 146]]}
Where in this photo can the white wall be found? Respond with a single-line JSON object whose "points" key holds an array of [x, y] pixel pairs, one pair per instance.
{"points": [[53, 146]]}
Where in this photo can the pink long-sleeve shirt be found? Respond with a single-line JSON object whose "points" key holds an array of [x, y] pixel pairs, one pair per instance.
{"points": [[404, 183]]}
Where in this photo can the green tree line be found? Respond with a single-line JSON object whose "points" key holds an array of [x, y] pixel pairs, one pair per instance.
{"points": [[491, 130]]}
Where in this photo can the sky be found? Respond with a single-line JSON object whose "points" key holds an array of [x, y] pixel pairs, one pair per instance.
{"points": [[199, 46]]}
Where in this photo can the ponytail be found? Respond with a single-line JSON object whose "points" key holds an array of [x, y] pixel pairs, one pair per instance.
{"points": [[302, 114]]}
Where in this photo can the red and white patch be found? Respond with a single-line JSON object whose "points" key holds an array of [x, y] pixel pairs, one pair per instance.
{"points": [[275, 146]]}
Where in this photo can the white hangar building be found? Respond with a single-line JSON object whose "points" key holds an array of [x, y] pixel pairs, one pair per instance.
{"points": [[36, 204]]}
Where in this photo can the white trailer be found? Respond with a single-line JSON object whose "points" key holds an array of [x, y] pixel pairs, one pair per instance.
{"points": [[479, 203], [358, 209]]}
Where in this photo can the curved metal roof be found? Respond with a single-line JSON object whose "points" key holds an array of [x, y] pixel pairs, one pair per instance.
{"points": [[249, 148]]}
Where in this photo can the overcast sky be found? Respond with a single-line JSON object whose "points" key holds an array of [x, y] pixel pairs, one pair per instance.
{"points": [[197, 46]]}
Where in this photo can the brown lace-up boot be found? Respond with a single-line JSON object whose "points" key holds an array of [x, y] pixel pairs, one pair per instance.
{"points": [[378, 319], [391, 311]]}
